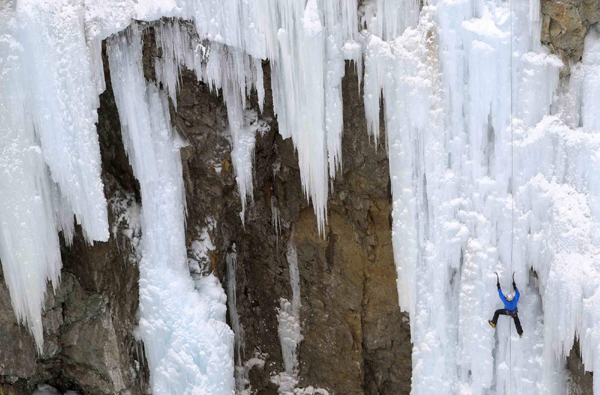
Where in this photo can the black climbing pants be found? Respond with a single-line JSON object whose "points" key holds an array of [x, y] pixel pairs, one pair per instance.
{"points": [[514, 316]]}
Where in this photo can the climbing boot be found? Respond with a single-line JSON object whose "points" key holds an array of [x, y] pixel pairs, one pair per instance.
{"points": [[492, 324]]}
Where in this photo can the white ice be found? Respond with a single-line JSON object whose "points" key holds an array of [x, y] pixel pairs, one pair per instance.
{"points": [[447, 86], [50, 156], [289, 329], [189, 347]]}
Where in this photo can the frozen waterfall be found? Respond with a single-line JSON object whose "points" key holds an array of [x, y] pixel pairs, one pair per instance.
{"points": [[494, 165]]}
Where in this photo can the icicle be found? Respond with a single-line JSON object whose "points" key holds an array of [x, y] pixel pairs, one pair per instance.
{"points": [[388, 19], [275, 217], [590, 110], [63, 98]]}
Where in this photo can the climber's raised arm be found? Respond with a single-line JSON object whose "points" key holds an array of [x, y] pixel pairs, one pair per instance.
{"points": [[501, 294]]}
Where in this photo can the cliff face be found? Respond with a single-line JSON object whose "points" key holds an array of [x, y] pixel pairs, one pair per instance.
{"points": [[355, 339]]}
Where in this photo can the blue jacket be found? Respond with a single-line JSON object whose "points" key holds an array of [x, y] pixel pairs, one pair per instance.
{"points": [[512, 305]]}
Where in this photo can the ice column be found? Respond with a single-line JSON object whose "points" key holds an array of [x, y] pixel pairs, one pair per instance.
{"points": [[231, 260], [63, 86], [189, 347], [289, 326]]}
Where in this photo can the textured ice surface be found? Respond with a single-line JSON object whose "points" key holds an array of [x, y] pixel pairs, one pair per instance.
{"points": [[189, 347], [50, 157], [289, 329], [446, 88]]}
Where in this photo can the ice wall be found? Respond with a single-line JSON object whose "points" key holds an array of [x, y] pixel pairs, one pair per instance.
{"points": [[189, 347], [461, 186]]}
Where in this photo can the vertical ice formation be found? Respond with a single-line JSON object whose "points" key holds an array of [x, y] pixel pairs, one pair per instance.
{"points": [[289, 326], [306, 44], [189, 347], [387, 19], [307, 63], [50, 158], [231, 259], [224, 68], [563, 208], [447, 86]]}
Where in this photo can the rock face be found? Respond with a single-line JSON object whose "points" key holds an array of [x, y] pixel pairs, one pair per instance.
{"points": [[581, 382], [565, 24], [356, 341]]}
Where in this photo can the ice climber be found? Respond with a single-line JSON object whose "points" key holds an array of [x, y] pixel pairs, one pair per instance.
{"points": [[510, 307]]}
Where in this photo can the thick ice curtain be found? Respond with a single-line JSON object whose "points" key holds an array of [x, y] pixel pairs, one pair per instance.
{"points": [[188, 345], [50, 160]]}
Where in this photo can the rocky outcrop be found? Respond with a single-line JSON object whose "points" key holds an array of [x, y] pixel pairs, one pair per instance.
{"points": [[565, 24], [580, 381]]}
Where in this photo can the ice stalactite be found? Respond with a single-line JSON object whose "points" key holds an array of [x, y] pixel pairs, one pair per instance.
{"points": [[227, 70], [50, 157], [189, 347], [307, 68], [387, 19], [306, 45]]}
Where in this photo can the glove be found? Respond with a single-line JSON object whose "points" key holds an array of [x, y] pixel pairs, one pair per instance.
{"points": [[514, 285], [498, 285]]}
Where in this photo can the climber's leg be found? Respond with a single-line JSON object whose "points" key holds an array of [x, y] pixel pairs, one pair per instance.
{"points": [[494, 321], [518, 325]]}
